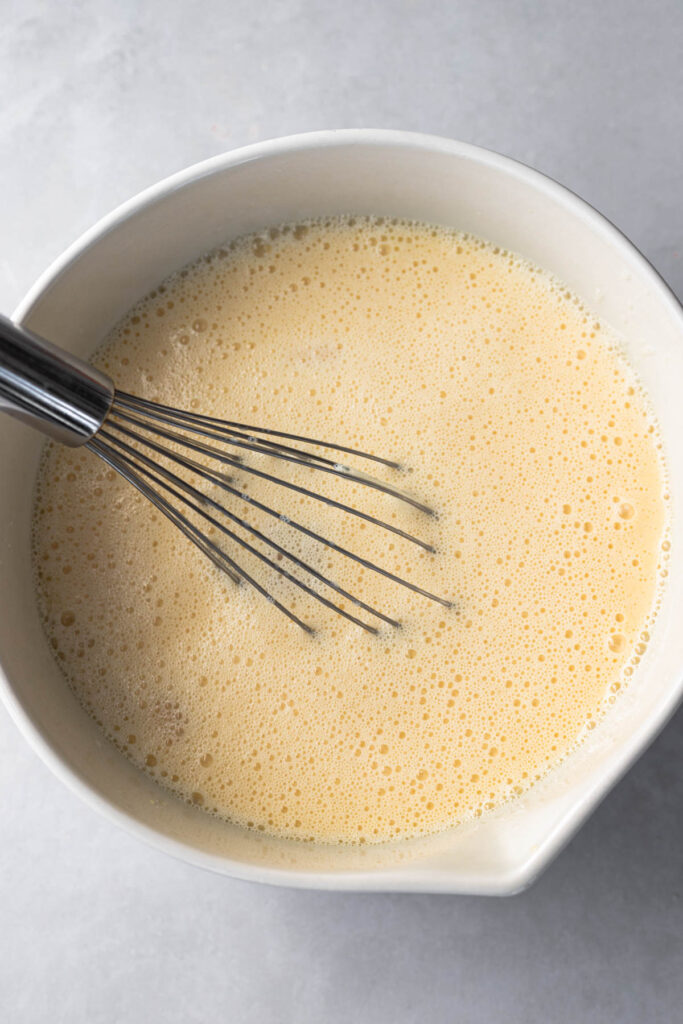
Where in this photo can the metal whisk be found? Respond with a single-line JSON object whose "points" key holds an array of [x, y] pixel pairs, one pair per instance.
{"points": [[76, 404]]}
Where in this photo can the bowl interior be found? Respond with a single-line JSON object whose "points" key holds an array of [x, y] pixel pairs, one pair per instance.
{"points": [[376, 173]]}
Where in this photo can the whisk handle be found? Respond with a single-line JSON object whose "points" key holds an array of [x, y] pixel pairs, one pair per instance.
{"points": [[50, 389]]}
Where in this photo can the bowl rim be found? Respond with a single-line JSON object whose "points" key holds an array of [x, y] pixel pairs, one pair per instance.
{"points": [[414, 878]]}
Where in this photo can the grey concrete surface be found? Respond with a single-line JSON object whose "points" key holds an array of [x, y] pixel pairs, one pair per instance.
{"points": [[98, 100]]}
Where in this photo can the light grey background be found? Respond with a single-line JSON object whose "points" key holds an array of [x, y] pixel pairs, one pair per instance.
{"points": [[98, 100]]}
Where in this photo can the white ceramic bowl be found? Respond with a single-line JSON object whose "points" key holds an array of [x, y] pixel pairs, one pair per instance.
{"points": [[375, 172]]}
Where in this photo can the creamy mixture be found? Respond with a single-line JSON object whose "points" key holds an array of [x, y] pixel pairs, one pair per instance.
{"points": [[516, 418]]}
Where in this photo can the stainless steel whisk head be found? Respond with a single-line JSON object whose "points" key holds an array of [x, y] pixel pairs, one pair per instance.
{"points": [[152, 445]]}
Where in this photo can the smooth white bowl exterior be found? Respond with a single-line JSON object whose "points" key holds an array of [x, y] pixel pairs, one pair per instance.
{"points": [[375, 172]]}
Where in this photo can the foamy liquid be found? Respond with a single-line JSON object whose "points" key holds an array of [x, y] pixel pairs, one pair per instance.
{"points": [[516, 418]]}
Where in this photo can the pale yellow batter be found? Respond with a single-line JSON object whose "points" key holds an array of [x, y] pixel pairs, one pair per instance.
{"points": [[518, 420]]}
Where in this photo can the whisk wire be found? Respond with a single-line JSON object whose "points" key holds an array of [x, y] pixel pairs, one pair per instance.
{"points": [[232, 460], [218, 557], [155, 408], [285, 452], [203, 498], [136, 419], [220, 481]]}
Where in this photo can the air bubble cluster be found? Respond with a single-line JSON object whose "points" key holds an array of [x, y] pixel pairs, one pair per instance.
{"points": [[514, 414]]}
